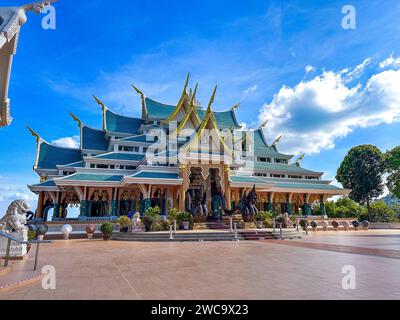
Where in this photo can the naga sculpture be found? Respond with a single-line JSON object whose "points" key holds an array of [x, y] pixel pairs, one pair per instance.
{"points": [[247, 205], [15, 217], [199, 206]]}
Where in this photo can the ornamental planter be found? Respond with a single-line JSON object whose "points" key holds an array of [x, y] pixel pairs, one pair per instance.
{"points": [[365, 225], [346, 225], [335, 225], [314, 226], [325, 225], [106, 237], [90, 230], [356, 224], [185, 225]]}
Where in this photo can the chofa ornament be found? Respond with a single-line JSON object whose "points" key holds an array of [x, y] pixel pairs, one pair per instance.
{"points": [[15, 217]]}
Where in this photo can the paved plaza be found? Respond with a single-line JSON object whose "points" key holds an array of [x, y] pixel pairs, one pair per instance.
{"points": [[220, 270]]}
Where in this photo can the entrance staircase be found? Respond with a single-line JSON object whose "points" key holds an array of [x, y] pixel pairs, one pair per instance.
{"points": [[222, 225]]}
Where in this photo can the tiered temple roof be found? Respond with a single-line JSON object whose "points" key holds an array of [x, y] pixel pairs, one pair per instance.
{"points": [[116, 154]]}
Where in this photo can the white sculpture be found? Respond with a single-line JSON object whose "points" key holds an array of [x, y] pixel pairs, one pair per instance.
{"points": [[15, 217], [13, 223], [11, 20], [66, 231]]}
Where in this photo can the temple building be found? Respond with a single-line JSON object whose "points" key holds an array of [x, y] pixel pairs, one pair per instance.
{"points": [[167, 158]]}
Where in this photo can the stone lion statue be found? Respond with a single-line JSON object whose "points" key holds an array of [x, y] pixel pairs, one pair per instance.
{"points": [[15, 218]]}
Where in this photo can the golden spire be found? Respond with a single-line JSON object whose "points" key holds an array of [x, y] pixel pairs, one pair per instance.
{"points": [[34, 134], [186, 83], [277, 140], [100, 103], [212, 99], [192, 108], [264, 124], [76, 119], [236, 106]]}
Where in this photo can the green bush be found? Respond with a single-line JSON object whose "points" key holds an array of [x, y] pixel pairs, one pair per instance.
{"points": [[107, 228], [124, 221], [381, 212], [265, 217], [31, 235], [151, 219], [173, 214]]}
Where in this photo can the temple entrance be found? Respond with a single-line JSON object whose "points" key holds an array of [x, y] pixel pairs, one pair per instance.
{"points": [[99, 204]]}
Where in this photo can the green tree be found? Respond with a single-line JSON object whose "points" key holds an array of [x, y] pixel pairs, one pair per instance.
{"points": [[381, 212], [393, 169], [361, 171]]}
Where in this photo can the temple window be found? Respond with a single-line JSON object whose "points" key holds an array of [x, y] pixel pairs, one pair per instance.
{"points": [[277, 176], [295, 177], [281, 161], [312, 178], [102, 166], [92, 166]]}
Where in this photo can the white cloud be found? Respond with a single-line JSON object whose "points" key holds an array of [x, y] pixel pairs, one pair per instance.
{"points": [[309, 68], [358, 70], [251, 89], [67, 142], [314, 113], [390, 62]]}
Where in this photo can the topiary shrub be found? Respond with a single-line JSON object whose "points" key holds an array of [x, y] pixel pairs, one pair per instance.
{"points": [[314, 225], [107, 230], [124, 223], [335, 225]]}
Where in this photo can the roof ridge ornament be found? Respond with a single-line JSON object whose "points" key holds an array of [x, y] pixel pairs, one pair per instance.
{"points": [[264, 124], [236, 106], [297, 163], [80, 123], [104, 107], [276, 142], [34, 134]]}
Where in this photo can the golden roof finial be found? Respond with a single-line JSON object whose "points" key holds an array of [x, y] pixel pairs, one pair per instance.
{"points": [[278, 140], [194, 94], [264, 124], [100, 103], [187, 82], [212, 98], [236, 106], [137, 90], [34, 134], [76, 119]]}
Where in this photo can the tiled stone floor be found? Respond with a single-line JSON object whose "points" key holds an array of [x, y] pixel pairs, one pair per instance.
{"points": [[224, 270]]}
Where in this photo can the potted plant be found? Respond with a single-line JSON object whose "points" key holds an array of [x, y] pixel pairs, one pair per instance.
{"points": [[41, 230], [185, 218], [314, 225], [356, 224], [107, 230], [31, 236], [90, 230], [325, 225], [151, 218], [263, 219], [335, 225], [124, 223]]}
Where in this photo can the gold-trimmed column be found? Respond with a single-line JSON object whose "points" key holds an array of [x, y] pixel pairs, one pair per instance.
{"points": [[39, 210]]}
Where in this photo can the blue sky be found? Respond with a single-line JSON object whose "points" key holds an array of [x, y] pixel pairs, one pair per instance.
{"points": [[287, 61]]}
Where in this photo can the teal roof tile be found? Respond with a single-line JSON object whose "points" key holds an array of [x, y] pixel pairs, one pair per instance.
{"points": [[121, 156], [121, 124], [287, 168], [50, 156], [261, 147], [140, 138], [157, 110], [93, 139], [156, 175], [48, 183], [93, 177]]}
